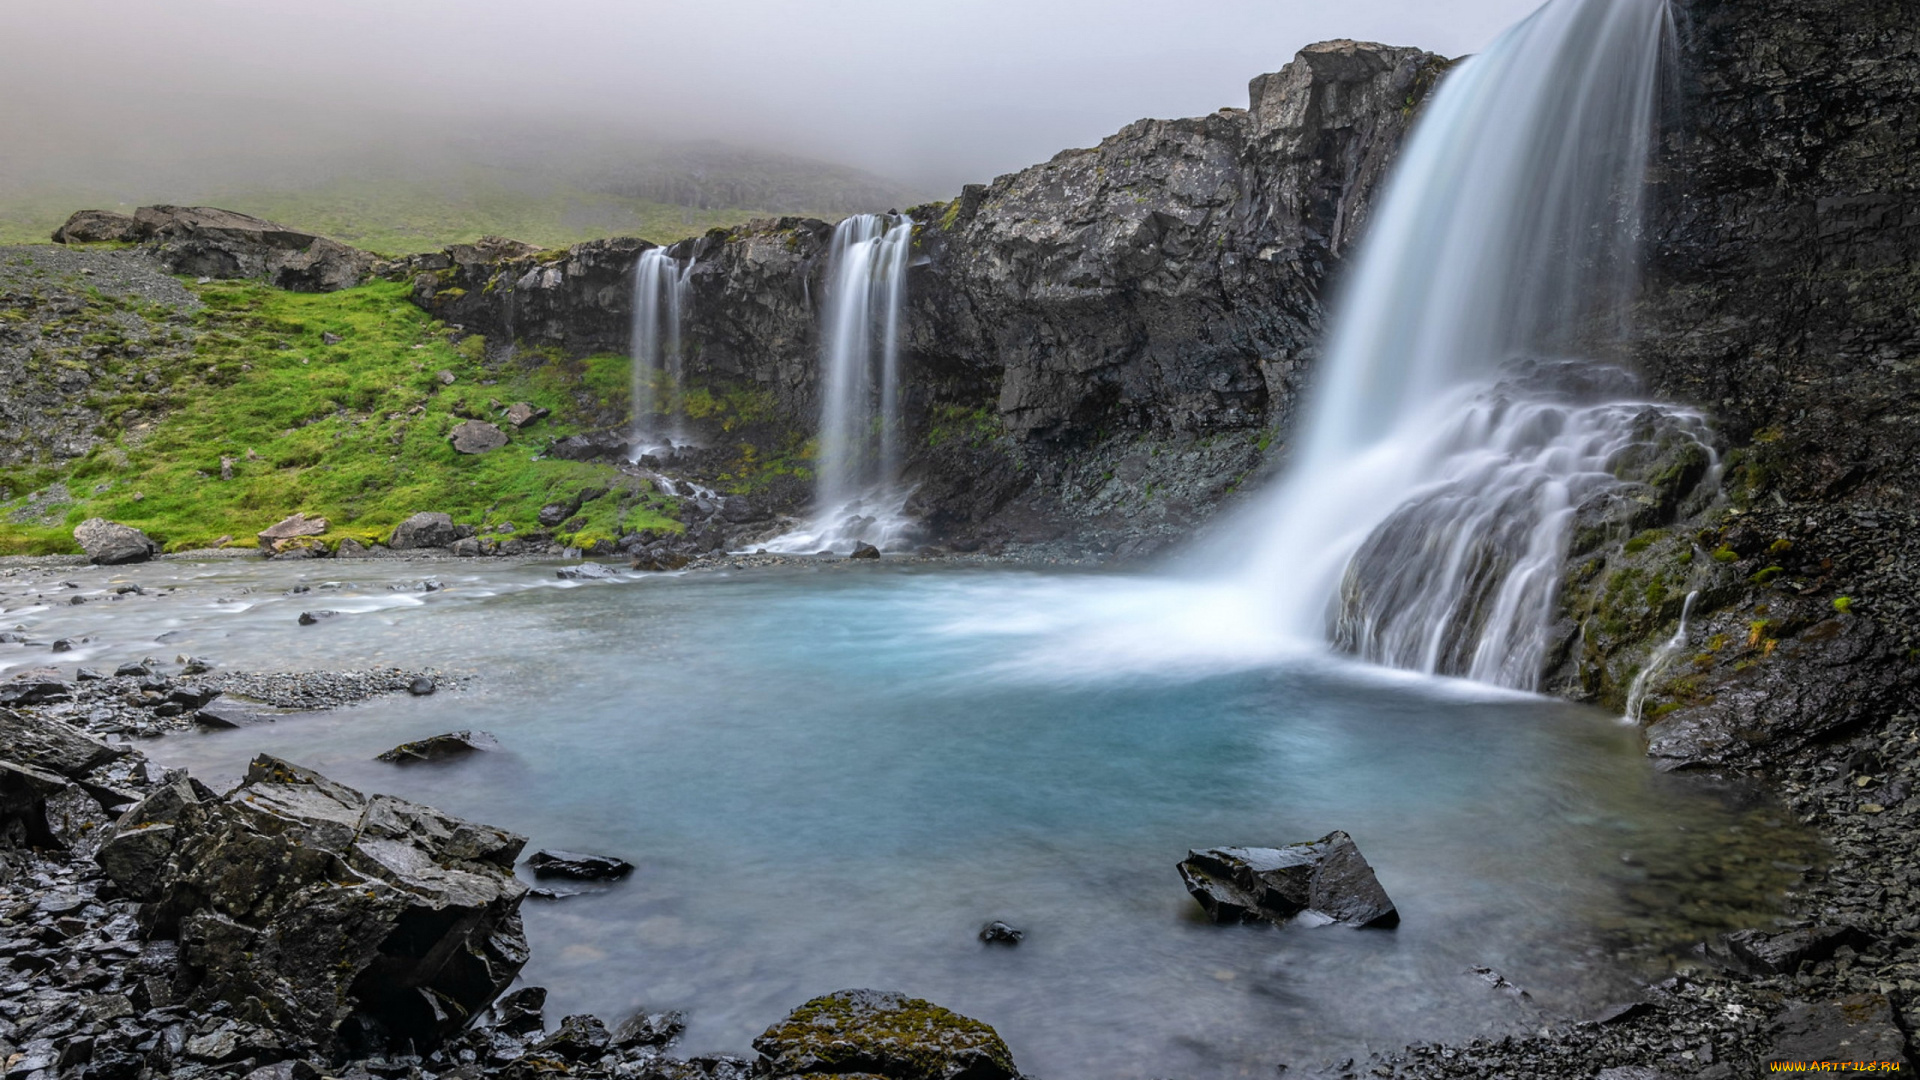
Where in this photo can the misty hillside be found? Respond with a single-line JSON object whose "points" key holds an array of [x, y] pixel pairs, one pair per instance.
{"points": [[544, 189]]}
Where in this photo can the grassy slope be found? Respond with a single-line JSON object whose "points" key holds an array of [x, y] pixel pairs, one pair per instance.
{"points": [[331, 430], [399, 217]]}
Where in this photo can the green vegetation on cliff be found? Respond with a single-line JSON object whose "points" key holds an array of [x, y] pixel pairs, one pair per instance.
{"points": [[337, 405]]}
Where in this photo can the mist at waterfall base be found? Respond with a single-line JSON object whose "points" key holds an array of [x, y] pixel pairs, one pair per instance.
{"points": [[1466, 406], [829, 777], [858, 497]]}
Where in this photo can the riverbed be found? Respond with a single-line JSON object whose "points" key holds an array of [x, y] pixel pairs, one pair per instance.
{"points": [[831, 775]]}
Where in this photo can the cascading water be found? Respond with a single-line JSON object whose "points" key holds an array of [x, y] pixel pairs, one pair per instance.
{"points": [[857, 496], [1637, 693], [659, 299], [1434, 483]]}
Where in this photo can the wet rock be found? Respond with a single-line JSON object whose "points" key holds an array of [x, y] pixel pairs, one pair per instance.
{"points": [[277, 538], [64, 644], [309, 618], [454, 744], [87, 674], [1856, 1028], [24, 795], [228, 716], [202, 241], [521, 1012], [477, 437], [37, 687], [586, 572], [1783, 952], [109, 543], [864, 550], [49, 744], [138, 670], [1327, 879], [521, 413], [348, 918], [424, 530], [576, 866], [877, 1033], [650, 1029], [999, 933], [421, 687], [660, 561], [98, 226], [580, 1037], [593, 446]]}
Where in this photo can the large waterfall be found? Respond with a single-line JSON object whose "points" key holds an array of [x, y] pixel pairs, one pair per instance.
{"points": [[857, 493], [659, 298], [1450, 438]]}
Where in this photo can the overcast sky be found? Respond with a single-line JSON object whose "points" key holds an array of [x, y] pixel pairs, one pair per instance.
{"points": [[934, 94]]}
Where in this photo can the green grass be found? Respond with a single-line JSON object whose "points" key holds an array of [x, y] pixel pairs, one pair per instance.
{"points": [[355, 431]]}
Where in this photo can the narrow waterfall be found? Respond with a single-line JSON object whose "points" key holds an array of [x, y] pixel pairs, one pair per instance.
{"points": [[1643, 682], [857, 495], [659, 299], [1456, 425]]}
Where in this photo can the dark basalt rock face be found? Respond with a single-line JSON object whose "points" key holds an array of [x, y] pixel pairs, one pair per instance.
{"points": [[1328, 879], [877, 1033], [1782, 297], [343, 921], [1101, 342]]}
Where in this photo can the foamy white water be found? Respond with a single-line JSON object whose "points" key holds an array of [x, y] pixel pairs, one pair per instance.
{"points": [[1460, 416], [857, 495], [659, 301]]}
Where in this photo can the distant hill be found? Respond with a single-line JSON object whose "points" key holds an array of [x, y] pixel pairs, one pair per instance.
{"points": [[544, 193]]}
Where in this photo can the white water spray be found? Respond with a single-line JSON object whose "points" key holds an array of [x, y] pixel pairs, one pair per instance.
{"points": [[1637, 693], [659, 299], [1428, 504], [857, 496]]}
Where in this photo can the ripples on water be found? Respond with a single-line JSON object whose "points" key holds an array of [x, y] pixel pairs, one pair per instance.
{"points": [[830, 778]]}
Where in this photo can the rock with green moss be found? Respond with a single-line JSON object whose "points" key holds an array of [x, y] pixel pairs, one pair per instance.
{"points": [[879, 1033]]}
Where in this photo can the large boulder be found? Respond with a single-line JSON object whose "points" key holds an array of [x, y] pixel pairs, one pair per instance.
{"points": [[477, 437], [208, 242], [1327, 879], [281, 535], [424, 530], [109, 543], [351, 922], [878, 1033], [98, 226]]}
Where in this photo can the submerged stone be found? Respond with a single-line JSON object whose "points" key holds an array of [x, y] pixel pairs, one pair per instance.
{"points": [[1327, 878], [454, 744], [576, 866]]}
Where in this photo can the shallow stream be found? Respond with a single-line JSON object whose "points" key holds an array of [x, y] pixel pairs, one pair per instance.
{"points": [[830, 776]]}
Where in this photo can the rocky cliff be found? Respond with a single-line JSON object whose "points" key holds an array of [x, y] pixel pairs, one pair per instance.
{"points": [[1098, 344], [1782, 297]]}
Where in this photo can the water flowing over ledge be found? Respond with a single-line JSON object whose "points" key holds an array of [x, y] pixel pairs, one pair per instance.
{"points": [[659, 360]]}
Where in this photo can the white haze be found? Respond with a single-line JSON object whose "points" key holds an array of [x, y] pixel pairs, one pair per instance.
{"points": [[930, 94]]}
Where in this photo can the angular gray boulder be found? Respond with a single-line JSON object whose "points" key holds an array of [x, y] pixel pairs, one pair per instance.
{"points": [[109, 543], [477, 437], [97, 226], [1327, 878], [352, 922], [207, 242], [425, 530]]}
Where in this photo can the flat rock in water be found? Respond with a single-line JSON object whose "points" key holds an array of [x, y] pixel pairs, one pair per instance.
{"points": [[453, 744], [576, 866], [109, 543], [1328, 878], [882, 1034], [585, 572], [308, 618], [999, 933]]}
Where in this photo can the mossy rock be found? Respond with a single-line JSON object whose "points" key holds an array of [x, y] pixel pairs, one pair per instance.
{"points": [[883, 1034]]}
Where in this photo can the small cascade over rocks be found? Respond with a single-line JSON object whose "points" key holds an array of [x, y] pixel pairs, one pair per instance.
{"points": [[1427, 510], [659, 301], [857, 493]]}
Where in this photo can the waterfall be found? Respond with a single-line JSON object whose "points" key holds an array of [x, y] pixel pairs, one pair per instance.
{"points": [[1637, 693], [659, 298], [1454, 430], [857, 495]]}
